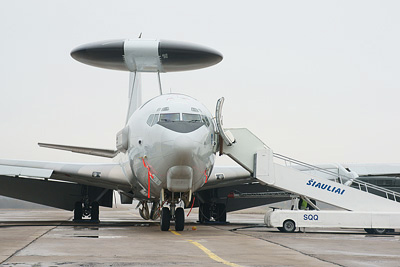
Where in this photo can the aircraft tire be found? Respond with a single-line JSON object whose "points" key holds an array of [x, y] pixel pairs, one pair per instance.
{"points": [[379, 231], [289, 226], [94, 212], [78, 211], [179, 219], [165, 221]]}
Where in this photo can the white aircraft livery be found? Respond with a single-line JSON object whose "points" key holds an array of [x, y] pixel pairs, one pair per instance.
{"points": [[165, 153], [167, 147]]}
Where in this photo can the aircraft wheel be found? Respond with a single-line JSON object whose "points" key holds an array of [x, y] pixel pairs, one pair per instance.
{"points": [[379, 231], [165, 219], [289, 226], [179, 219], [95, 212], [78, 211]]}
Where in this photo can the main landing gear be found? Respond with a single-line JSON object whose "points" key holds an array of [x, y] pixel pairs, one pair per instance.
{"points": [[83, 209], [215, 212], [86, 208]]}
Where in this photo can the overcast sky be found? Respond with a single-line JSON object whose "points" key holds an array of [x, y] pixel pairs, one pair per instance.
{"points": [[315, 80]]}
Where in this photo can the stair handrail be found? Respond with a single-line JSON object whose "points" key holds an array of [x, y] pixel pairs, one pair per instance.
{"points": [[311, 167], [395, 194], [378, 188]]}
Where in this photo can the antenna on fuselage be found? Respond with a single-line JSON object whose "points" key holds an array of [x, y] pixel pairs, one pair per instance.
{"points": [[159, 82]]}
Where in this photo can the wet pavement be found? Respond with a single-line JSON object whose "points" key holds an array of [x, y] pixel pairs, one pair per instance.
{"points": [[50, 238]]}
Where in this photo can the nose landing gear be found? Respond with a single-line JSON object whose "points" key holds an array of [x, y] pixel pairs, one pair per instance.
{"points": [[165, 219], [179, 219], [168, 215]]}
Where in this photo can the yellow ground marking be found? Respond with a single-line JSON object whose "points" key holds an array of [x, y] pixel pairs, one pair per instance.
{"points": [[212, 255], [208, 252], [174, 232]]}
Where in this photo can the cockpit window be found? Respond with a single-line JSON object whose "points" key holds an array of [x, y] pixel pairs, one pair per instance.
{"points": [[150, 120], [153, 119], [169, 117], [191, 117]]}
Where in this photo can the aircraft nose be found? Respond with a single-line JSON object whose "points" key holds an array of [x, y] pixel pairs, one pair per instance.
{"points": [[184, 147]]}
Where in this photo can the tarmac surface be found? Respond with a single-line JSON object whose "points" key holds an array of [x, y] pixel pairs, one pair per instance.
{"points": [[50, 238]]}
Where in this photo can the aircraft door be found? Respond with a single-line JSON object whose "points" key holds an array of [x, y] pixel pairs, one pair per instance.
{"points": [[226, 135]]}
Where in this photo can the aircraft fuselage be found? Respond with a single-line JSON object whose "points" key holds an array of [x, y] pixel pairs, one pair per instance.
{"points": [[171, 144]]}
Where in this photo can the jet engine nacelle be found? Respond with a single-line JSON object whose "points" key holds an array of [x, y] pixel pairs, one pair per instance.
{"points": [[141, 55], [122, 139]]}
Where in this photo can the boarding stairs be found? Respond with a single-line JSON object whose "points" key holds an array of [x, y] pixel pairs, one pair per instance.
{"points": [[339, 188]]}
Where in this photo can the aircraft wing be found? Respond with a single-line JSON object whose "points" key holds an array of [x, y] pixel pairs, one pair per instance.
{"points": [[60, 185], [111, 176], [223, 176], [226, 176], [235, 188]]}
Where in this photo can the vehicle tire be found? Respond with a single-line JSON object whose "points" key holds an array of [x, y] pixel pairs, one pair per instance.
{"points": [[221, 213], [369, 230], [289, 226], [179, 219], [94, 213], [78, 211], [378, 231], [165, 219]]}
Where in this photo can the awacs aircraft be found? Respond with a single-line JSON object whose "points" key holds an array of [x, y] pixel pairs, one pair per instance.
{"points": [[166, 150], [168, 146]]}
